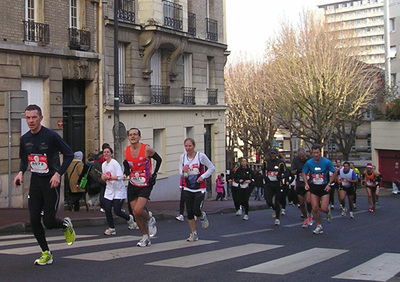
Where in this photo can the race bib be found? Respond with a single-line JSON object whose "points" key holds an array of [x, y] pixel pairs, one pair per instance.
{"points": [[194, 169], [38, 163], [272, 175], [138, 179], [318, 178], [370, 183]]}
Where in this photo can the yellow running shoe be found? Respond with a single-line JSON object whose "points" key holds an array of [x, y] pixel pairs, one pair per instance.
{"points": [[46, 258], [69, 231]]}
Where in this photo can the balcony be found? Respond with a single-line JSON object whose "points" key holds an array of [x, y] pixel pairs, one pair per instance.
{"points": [[79, 39], [126, 11], [188, 95], [159, 94], [192, 24], [212, 96], [36, 32], [211, 30], [173, 15], [127, 93]]}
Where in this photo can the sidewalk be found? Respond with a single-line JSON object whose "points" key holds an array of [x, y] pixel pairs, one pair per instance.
{"points": [[17, 220]]}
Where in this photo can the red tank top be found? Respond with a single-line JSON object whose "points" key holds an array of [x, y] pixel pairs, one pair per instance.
{"points": [[140, 167], [370, 179]]}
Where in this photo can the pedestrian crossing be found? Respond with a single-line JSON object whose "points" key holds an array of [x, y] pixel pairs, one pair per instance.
{"points": [[380, 268]]}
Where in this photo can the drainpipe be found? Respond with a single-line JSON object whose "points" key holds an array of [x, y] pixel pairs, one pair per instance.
{"points": [[101, 70]]}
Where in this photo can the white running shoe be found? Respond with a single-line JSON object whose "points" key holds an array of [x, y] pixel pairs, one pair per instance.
{"points": [[277, 222], [283, 212], [204, 221], [273, 214], [343, 211], [328, 216], [305, 224], [318, 230], [192, 238], [144, 243], [239, 212], [245, 217], [110, 231], [180, 217], [351, 215], [131, 223], [151, 224], [310, 220]]}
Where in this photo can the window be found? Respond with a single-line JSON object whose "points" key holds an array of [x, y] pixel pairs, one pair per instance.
{"points": [[30, 10], [156, 68], [187, 69], [392, 24], [393, 52], [159, 146], [189, 132], [73, 14], [121, 62]]}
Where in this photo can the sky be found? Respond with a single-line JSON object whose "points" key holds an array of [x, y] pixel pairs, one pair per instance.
{"points": [[256, 21]]}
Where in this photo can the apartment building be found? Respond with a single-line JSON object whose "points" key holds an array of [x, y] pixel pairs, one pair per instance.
{"points": [[60, 55]]}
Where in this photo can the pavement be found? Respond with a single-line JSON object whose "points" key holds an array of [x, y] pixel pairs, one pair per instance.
{"points": [[17, 220]]}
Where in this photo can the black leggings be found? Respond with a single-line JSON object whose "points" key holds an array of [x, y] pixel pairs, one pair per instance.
{"points": [[194, 202], [182, 203], [235, 198], [243, 195], [43, 198], [117, 204], [271, 191]]}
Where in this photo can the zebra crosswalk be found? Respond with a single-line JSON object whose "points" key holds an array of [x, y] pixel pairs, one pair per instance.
{"points": [[380, 268]]}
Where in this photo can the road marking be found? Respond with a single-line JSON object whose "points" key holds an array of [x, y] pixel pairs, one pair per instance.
{"points": [[294, 262], [246, 233], [32, 239], [77, 244], [16, 236], [380, 268], [136, 251], [214, 256]]}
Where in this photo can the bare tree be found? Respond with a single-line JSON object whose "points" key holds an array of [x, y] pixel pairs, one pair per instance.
{"points": [[319, 78], [250, 114]]}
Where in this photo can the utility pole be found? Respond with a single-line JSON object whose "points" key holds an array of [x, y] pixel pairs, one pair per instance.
{"points": [[387, 44], [116, 85]]}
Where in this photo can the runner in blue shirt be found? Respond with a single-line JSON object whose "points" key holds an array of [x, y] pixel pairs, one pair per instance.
{"points": [[319, 184]]}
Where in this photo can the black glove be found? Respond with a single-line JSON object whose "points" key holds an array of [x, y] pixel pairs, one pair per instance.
{"points": [[127, 169], [152, 180]]}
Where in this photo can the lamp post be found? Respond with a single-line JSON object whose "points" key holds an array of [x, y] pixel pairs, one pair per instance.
{"points": [[116, 84]]}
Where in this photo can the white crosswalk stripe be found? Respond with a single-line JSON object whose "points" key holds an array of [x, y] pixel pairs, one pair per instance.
{"points": [[380, 268], [136, 251], [294, 262], [77, 244], [214, 256], [246, 233]]}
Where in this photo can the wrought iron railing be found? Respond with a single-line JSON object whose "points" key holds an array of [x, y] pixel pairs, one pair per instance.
{"points": [[36, 32], [159, 94], [188, 95], [192, 24], [173, 15], [126, 11], [79, 39], [212, 29], [127, 93], [212, 96]]}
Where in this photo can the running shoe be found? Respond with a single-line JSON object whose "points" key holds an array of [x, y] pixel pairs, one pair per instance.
{"points": [[354, 206], [131, 223], [310, 221], [102, 210], [370, 209], [204, 221], [373, 209], [144, 243], [277, 222], [151, 225], [305, 224], [332, 206], [377, 203], [273, 214], [351, 215], [343, 211], [192, 237], [318, 230], [180, 217], [283, 212], [110, 231], [69, 231], [329, 216], [246, 217], [239, 212], [46, 258]]}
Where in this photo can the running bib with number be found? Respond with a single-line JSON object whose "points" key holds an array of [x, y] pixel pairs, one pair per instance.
{"points": [[138, 178], [38, 163], [272, 175], [318, 178]]}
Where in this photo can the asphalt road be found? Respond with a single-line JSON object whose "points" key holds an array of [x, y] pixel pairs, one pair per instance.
{"points": [[362, 249]]}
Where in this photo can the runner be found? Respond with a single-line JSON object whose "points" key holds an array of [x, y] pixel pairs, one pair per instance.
{"points": [[141, 181], [356, 185], [192, 168], [244, 176], [303, 195], [275, 172], [347, 178], [319, 168], [370, 179], [39, 149]]}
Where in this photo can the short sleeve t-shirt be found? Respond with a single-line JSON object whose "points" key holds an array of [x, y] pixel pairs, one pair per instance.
{"points": [[319, 171]]}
